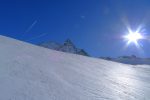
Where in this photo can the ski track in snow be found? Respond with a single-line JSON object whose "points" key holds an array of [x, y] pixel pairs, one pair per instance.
{"points": [[29, 72]]}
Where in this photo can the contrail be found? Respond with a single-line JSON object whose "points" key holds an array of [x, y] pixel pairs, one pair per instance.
{"points": [[37, 36], [31, 26]]}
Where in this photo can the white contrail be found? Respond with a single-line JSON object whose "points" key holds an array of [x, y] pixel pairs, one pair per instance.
{"points": [[41, 35], [31, 26]]}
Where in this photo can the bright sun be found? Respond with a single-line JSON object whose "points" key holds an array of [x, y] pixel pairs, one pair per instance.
{"points": [[133, 37]]}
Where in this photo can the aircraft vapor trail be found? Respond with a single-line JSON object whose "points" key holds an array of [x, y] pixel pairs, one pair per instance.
{"points": [[41, 35], [31, 26]]}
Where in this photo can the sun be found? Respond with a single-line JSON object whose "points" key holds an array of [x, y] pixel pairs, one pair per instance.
{"points": [[133, 37]]}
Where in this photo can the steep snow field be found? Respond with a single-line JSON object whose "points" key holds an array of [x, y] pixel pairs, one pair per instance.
{"points": [[29, 72]]}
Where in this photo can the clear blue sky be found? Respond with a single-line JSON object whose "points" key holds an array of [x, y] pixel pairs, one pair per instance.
{"points": [[95, 25]]}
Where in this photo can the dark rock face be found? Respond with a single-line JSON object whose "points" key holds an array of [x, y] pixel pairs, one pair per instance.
{"points": [[106, 58], [128, 57], [82, 52], [67, 46]]}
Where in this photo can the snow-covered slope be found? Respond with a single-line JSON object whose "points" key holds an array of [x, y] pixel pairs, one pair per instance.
{"points": [[68, 47], [133, 60], [29, 72]]}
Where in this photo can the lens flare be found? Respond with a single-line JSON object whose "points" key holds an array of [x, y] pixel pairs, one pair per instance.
{"points": [[133, 37]]}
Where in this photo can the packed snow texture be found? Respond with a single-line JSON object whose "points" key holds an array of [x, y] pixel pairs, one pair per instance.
{"points": [[29, 72]]}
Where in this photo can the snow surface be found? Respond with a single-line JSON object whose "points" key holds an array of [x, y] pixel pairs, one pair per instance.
{"points": [[29, 72]]}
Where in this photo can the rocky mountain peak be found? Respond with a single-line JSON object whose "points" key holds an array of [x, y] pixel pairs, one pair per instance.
{"points": [[67, 46], [68, 42]]}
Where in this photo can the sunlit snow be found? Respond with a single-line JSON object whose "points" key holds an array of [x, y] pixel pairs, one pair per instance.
{"points": [[29, 72]]}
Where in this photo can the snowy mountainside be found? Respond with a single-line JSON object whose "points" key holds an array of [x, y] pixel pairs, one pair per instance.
{"points": [[68, 46], [29, 72], [50, 45], [133, 60]]}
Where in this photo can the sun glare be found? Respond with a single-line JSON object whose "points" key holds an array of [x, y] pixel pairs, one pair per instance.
{"points": [[133, 37]]}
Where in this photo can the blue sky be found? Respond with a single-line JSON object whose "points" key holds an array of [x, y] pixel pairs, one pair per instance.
{"points": [[94, 25]]}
